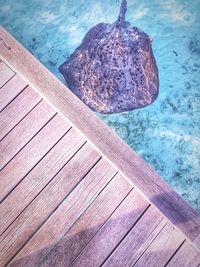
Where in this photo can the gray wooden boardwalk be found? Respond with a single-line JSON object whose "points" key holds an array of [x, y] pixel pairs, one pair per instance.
{"points": [[71, 192]]}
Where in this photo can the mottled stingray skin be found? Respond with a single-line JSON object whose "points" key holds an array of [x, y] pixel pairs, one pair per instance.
{"points": [[113, 70]]}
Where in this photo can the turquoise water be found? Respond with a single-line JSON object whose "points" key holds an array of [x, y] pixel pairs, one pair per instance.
{"points": [[167, 133]]}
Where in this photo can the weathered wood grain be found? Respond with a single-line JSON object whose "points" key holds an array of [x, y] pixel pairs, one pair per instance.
{"points": [[186, 256], [51, 197], [25, 131], [162, 248], [17, 110], [137, 239], [10, 90], [31, 154], [133, 257], [113, 231], [196, 242], [89, 223], [38, 178], [64, 218], [134, 169], [5, 74]]}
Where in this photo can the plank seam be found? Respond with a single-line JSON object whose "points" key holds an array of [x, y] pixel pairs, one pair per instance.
{"points": [[150, 242], [125, 235], [75, 221], [28, 141], [103, 222], [9, 79], [175, 253], [22, 119], [14, 98], [34, 166], [51, 213], [37, 194]]}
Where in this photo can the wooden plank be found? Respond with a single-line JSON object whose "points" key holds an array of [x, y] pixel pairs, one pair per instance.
{"points": [[86, 227], [52, 196], [197, 241], [132, 257], [24, 132], [186, 256], [134, 169], [113, 231], [31, 154], [162, 248], [136, 240], [10, 90], [17, 110], [47, 168], [43, 242], [5, 74]]}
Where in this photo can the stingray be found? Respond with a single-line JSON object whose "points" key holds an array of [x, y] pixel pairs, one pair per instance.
{"points": [[114, 69]]}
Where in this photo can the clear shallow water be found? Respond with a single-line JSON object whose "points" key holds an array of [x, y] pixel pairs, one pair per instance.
{"points": [[167, 133]]}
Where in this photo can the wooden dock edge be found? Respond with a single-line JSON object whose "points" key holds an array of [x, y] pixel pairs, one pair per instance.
{"points": [[115, 150]]}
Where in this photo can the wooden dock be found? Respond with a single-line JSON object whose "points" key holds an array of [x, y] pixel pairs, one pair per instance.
{"points": [[71, 192]]}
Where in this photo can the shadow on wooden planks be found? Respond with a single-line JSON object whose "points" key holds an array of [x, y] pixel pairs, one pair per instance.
{"points": [[93, 246]]}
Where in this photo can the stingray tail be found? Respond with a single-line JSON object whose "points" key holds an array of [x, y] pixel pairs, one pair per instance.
{"points": [[122, 12]]}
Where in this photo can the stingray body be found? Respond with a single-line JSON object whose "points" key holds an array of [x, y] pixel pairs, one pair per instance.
{"points": [[113, 70]]}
